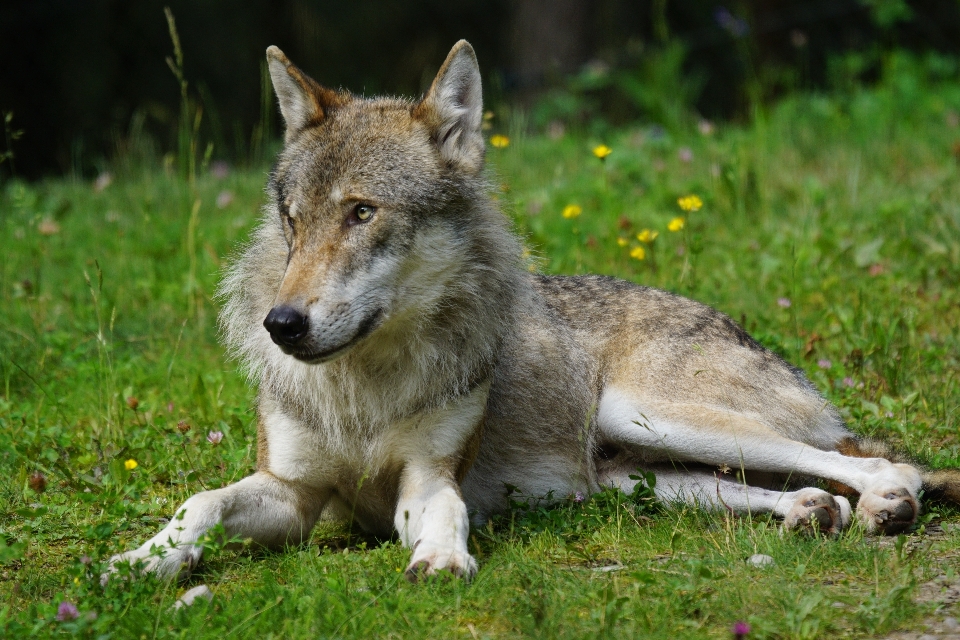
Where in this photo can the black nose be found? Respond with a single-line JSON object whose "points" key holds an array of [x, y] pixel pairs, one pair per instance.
{"points": [[286, 325]]}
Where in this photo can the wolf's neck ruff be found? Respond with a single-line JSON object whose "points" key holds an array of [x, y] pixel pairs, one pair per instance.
{"points": [[420, 356]]}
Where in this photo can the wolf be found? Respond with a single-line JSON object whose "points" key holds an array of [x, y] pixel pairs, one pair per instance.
{"points": [[409, 369]]}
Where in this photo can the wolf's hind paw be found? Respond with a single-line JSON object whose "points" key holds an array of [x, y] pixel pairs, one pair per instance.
{"points": [[818, 511], [888, 512]]}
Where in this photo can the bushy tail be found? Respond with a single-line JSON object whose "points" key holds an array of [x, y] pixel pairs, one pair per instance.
{"points": [[938, 484], [942, 484]]}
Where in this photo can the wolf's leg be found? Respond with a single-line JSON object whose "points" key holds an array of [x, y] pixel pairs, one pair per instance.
{"points": [[436, 449], [888, 500], [805, 508], [261, 507], [432, 520]]}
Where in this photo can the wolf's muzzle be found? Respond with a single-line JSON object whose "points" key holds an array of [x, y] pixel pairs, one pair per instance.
{"points": [[286, 325]]}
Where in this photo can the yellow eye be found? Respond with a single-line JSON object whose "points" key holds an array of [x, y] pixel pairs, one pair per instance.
{"points": [[364, 212]]}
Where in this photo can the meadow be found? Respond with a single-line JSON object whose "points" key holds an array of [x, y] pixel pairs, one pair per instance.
{"points": [[829, 226]]}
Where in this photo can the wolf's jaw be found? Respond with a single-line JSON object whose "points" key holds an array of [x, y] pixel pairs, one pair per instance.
{"points": [[319, 357]]}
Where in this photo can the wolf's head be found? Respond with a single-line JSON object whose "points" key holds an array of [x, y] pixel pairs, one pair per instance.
{"points": [[371, 197]]}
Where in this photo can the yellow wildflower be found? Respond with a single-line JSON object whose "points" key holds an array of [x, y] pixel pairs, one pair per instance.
{"points": [[690, 203], [647, 236], [676, 224], [602, 151], [130, 464], [622, 242], [638, 253], [572, 211], [500, 141]]}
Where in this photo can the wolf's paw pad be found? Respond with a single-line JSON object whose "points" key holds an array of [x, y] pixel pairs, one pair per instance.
{"points": [[818, 511], [441, 563], [889, 511]]}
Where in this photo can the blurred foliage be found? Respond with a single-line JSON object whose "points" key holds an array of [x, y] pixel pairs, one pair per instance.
{"points": [[88, 86]]}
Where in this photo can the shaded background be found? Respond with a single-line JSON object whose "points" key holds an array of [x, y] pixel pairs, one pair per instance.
{"points": [[85, 81]]}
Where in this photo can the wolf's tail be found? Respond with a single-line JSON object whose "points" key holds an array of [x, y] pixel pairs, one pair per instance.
{"points": [[938, 484]]}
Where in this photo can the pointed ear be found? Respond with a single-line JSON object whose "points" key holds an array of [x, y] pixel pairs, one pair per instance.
{"points": [[303, 102], [453, 108]]}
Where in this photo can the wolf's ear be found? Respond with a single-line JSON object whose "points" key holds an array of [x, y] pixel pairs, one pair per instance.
{"points": [[453, 108], [303, 102]]}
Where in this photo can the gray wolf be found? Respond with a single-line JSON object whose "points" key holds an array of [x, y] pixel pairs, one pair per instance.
{"points": [[409, 369]]}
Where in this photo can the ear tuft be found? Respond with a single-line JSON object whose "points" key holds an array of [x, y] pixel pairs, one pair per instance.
{"points": [[302, 101], [453, 108]]}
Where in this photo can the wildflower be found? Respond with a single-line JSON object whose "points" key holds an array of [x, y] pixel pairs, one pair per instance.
{"points": [[487, 121], [876, 269], [219, 169], [183, 426], [823, 363], [224, 198], [103, 181], [740, 629], [67, 611], [622, 242], [500, 141], [602, 151], [48, 227], [214, 437], [578, 496], [690, 203], [784, 303], [685, 154], [888, 414], [130, 464], [676, 224], [849, 382], [705, 127], [647, 236], [798, 39], [638, 253], [37, 482], [737, 27], [572, 211], [133, 403], [85, 559]]}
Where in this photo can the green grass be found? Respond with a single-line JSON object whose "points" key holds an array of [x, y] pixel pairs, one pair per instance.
{"points": [[847, 206]]}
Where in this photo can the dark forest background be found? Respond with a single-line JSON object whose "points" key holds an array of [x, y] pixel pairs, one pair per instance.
{"points": [[82, 81]]}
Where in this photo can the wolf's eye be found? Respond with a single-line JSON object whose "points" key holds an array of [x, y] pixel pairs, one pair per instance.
{"points": [[288, 227], [360, 213]]}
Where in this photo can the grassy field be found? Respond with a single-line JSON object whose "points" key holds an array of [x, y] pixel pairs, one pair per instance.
{"points": [[830, 228]]}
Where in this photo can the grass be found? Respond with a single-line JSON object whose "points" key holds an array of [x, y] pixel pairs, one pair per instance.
{"points": [[830, 228]]}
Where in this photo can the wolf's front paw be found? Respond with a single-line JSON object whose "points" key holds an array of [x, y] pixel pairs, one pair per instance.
{"points": [[888, 511], [431, 560], [817, 510], [163, 562]]}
